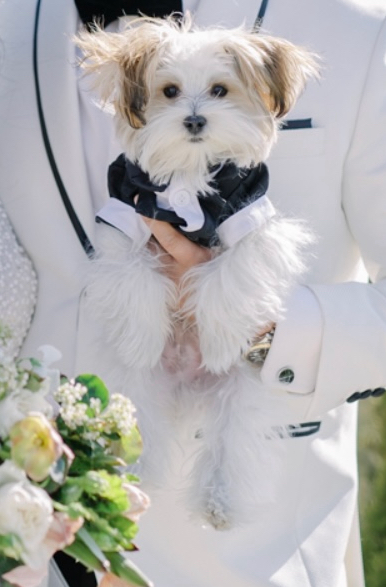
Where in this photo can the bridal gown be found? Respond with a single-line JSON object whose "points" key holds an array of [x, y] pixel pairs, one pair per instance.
{"points": [[18, 290]]}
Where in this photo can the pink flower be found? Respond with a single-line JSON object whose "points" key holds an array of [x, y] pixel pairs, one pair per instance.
{"points": [[110, 580], [25, 576], [60, 534], [139, 502]]}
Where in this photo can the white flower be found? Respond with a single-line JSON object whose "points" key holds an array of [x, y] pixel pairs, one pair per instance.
{"points": [[69, 393], [119, 415], [19, 403], [26, 511], [9, 376]]}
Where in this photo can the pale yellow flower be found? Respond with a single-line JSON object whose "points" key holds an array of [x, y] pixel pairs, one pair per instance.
{"points": [[35, 445]]}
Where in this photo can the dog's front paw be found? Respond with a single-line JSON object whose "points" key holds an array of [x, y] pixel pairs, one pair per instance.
{"points": [[131, 300], [236, 295], [227, 311]]}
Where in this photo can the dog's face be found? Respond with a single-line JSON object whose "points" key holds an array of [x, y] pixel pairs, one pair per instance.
{"points": [[186, 99]]}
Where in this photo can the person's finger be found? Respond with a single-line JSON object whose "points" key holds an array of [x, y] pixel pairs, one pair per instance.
{"points": [[184, 251]]}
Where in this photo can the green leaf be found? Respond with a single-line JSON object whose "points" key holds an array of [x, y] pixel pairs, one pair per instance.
{"points": [[34, 362], [75, 510], [125, 569], [127, 528], [93, 546], [11, 547], [6, 565], [34, 381], [70, 493], [105, 541], [107, 486], [59, 470], [103, 460], [82, 553], [129, 447], [96, 389]]}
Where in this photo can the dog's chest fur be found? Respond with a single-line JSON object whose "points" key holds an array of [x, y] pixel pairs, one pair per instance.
{"points": [[182, 357]]}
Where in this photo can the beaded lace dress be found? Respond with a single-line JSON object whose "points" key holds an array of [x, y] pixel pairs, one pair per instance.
{"points": [[18, 291], [18, 287]]}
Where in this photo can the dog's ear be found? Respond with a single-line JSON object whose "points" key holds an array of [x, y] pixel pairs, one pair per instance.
{"points": [[120, 63], [273, 68]]}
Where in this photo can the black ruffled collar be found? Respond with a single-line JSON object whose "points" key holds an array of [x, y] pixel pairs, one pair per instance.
{"points": [[235, 188]]}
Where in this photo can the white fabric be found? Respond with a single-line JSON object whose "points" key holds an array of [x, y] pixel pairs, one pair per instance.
{"points": [[303, 326], [333, 175], [125, 219], [185, 204], [245, 221]]}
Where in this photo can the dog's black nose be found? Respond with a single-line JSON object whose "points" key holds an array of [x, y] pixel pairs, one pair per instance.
{"points": [[194, 124]]}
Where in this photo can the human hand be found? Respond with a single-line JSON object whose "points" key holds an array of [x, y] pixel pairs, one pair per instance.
{"points": [[181, 254]]}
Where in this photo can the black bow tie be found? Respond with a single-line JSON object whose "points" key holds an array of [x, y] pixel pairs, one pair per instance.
{"points": [[108, 10], [235, 188]]}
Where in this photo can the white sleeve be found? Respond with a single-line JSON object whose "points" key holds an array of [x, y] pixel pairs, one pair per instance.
{"points": [[296, 345], [335, 343]]}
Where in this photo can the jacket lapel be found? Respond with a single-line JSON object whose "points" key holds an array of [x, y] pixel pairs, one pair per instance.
{"points": [[59, 95]]}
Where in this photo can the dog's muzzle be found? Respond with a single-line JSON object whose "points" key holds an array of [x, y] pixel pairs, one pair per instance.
{"points": [[194, 124]]}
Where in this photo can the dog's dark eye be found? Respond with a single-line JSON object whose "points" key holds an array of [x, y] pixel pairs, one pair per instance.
{"points": [[171, 91], [218, 91]]}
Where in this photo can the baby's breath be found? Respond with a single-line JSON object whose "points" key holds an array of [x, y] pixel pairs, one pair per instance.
{"points": [[95, 404], [11, 378], [74, 415], [69, 393], [119, 415]]}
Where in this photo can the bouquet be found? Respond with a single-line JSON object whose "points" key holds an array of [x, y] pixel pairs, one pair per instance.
{"points": [[64, 450]]}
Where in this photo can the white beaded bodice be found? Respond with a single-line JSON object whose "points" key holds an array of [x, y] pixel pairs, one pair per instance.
{"points": [[18, 287]]}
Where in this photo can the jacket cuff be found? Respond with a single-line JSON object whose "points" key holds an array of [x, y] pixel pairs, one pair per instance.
{"points": [[293, 359]]}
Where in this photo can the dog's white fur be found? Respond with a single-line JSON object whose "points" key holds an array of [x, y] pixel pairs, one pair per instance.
{"points": [[177, 372]]}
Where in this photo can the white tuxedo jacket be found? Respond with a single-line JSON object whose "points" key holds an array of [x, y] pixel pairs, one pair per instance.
{"points": [[334, 336]]}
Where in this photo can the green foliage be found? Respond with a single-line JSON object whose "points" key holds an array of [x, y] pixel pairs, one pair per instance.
{"points": [[96, 389], [10, 546], [87, 482], [373, 518], [125, 569]]}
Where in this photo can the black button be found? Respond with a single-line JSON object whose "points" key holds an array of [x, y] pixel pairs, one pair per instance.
{"points": [[354, 397], [286, 376], [366, 394], [378, 392]]}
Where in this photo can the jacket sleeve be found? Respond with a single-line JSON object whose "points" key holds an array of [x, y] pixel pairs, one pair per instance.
{"points": [[338, 331]]}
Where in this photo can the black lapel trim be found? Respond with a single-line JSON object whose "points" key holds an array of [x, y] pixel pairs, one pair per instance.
{"points": [[261, 14], [304, 429]]}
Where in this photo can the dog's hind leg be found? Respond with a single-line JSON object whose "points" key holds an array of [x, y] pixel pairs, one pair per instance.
{"points": [[237, 469]]}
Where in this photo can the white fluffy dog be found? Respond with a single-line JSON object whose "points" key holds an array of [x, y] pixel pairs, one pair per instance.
{"points": [[190, 107]]}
